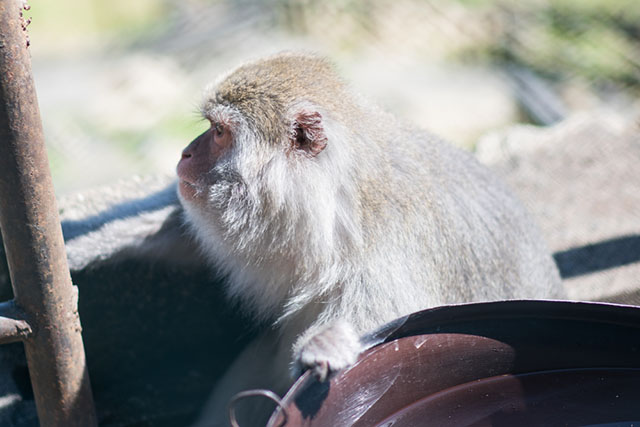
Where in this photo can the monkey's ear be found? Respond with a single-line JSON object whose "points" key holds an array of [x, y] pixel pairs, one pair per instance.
{"points": [[307, 133]]}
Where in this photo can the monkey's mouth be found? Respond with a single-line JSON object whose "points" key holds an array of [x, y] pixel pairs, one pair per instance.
{"points": [[187, 189], [187, 183]]}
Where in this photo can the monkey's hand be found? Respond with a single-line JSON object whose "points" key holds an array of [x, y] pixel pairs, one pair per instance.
{"points": [[327, 349]]}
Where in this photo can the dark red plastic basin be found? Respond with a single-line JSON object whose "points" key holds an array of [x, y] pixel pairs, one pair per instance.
{"points": [[511, 363]]}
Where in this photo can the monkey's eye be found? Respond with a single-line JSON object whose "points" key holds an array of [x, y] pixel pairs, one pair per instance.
{"points": [[219, 129]]}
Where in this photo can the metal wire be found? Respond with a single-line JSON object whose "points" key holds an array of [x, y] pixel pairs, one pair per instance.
{"points": [[255, 393]]}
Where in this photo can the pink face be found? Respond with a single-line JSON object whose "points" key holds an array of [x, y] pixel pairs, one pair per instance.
{"points": [[199, 158]]}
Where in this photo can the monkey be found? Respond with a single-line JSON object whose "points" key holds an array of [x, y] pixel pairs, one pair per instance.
{"points": [[329, 217]]}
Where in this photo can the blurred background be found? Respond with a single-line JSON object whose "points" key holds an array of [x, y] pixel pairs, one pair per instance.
{"points": [[119, 82]]}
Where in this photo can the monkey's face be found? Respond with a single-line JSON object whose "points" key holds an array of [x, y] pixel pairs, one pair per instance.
{"points": [[222, 182], [246, 159], [196, 168]]}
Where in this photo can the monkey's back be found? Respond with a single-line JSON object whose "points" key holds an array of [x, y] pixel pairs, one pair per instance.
{"points": [[446, 230]]}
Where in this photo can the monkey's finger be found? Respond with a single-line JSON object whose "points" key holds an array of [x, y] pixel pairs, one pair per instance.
{"points": [[321, 370]]}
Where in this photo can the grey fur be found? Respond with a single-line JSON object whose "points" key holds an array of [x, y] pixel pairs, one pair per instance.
{"points": [[385, 221]]}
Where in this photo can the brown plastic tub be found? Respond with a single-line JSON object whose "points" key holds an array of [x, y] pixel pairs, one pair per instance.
{"points": [[512, 363]]}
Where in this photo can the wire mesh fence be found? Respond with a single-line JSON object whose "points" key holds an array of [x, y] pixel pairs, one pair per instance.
{"points": [[119, 83]]}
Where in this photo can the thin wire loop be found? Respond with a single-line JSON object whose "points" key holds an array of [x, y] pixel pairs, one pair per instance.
{"points": [[255, 393]]}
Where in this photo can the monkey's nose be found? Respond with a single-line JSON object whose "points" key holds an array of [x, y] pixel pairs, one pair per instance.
{"points": [[186, 155]]}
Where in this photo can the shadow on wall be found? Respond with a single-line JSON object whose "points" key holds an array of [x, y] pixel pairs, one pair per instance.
{"points": [[599, 256]]}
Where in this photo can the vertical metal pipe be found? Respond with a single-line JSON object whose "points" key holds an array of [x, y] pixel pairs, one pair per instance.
{"points": [[33, 240]]}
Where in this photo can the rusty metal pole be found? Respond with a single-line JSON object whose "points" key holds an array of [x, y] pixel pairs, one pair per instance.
{"points": [[33, 241]]}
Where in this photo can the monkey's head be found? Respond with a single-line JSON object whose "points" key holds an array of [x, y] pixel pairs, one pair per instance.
{"points": [[265, 184]]}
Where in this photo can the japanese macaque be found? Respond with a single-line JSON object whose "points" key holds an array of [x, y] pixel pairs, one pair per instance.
{"points": [[330, 217]]}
